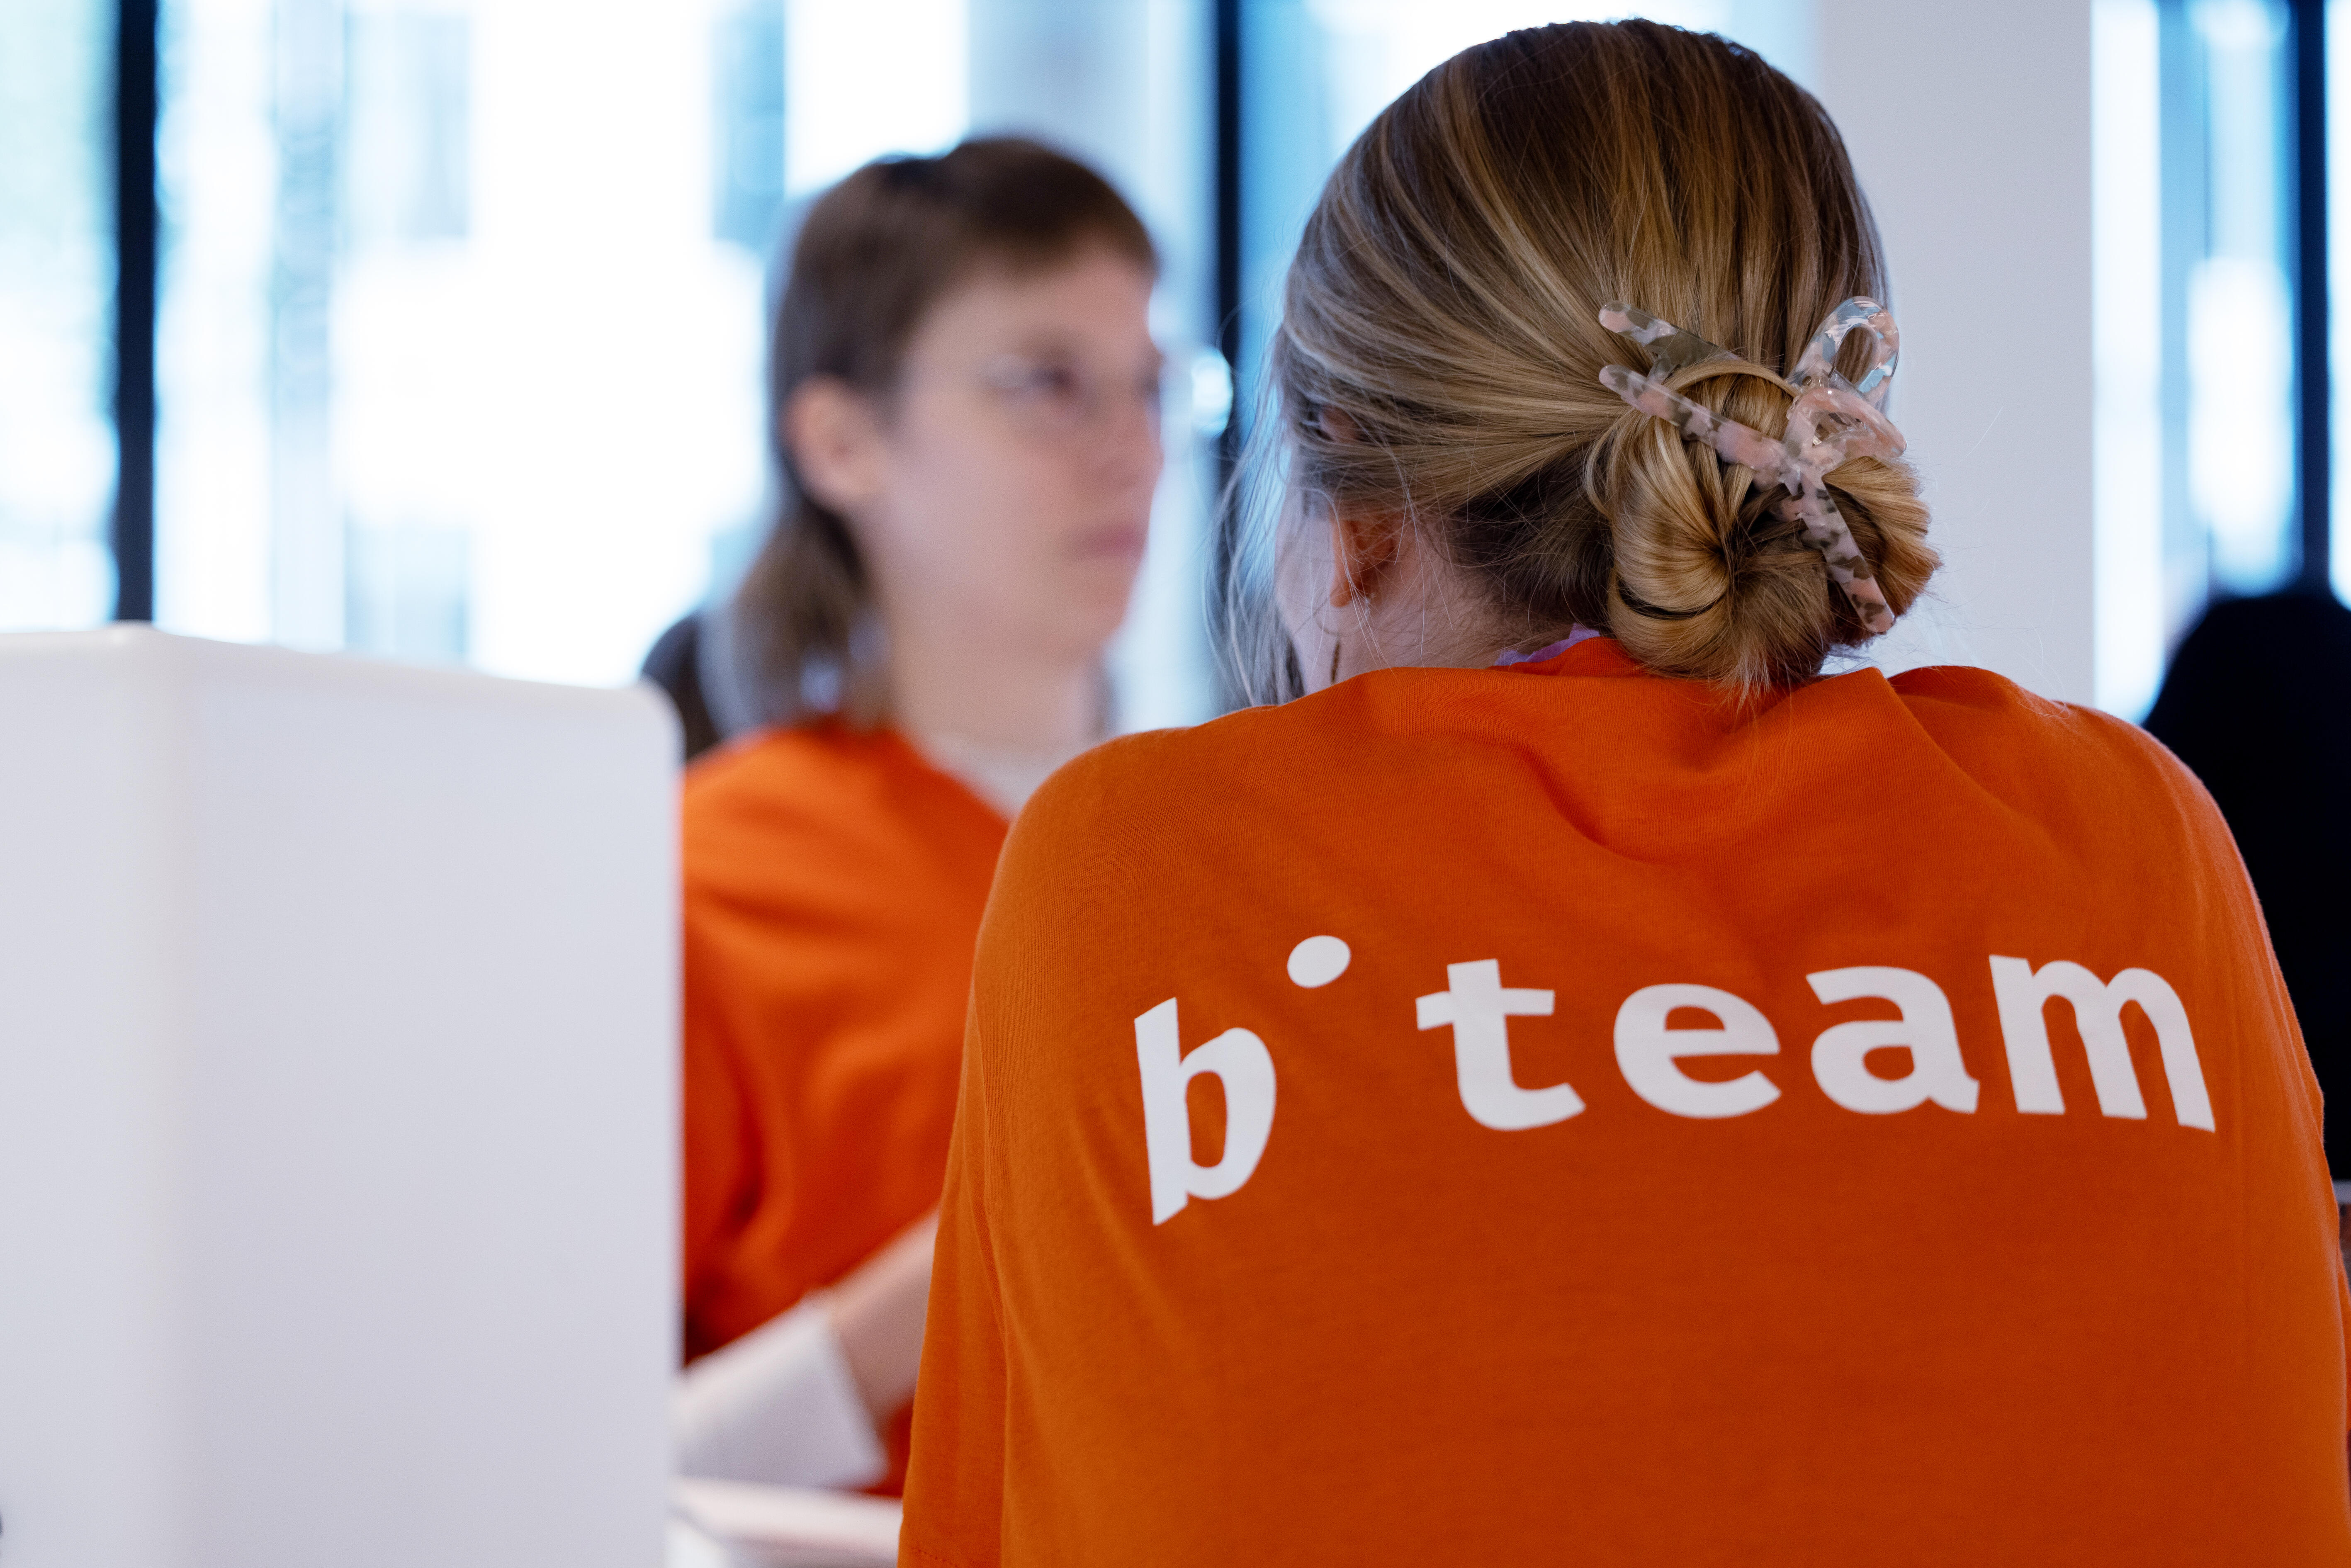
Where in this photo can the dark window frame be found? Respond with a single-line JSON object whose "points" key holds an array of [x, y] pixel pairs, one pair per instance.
{"points": [[137, 219], [2313, 371]]}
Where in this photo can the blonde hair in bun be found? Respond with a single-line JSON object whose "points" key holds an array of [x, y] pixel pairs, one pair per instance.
{"points": [[1437, 362]]}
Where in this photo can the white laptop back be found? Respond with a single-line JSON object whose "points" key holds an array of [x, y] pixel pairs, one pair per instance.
{"points": [[337, 1111]]}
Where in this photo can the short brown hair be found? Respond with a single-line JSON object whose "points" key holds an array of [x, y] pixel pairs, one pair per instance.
{"points": [[874, 255], [1437, 362]]}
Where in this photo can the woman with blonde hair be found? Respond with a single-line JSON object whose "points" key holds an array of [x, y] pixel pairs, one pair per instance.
{"points": [[1582, 1083]]}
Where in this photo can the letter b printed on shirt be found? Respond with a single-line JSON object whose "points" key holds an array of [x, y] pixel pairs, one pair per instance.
{"points": [[1241, 1063]]}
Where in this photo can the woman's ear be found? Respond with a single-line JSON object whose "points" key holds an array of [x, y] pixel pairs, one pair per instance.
{"points": [[1363, 556], [834, 436], [1363, 553]]}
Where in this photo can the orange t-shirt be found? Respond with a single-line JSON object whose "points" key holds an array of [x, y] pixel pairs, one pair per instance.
{"points": [[1583, 1208], [834, 881]]}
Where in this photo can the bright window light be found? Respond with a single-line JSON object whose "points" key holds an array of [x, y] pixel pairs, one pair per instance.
{"points": [[2241, 418], [56, 449], [870, 78]]}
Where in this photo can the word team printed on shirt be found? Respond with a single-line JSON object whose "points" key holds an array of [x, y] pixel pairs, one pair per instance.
{"points": [[1477, 1007]]}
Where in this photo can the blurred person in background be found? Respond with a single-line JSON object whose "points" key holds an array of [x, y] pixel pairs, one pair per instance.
{"points": [[2258, 703], [964, 396], [1582, 1083]]}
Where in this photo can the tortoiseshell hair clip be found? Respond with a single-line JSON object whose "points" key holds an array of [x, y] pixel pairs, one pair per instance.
{"points": [[1832, 421]]}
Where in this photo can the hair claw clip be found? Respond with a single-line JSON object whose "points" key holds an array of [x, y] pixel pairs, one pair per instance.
{"points": [[1832, 421]]}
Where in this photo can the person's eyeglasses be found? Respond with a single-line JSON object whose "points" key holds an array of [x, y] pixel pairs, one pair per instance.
{"points": [[1057, 399]]}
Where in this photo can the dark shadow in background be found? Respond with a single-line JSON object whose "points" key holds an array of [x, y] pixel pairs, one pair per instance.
{"points": [[2258, 703], [674, 665]]}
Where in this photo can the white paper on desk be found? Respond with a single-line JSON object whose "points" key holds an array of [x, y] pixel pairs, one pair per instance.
{"points": [[792, 1527]]}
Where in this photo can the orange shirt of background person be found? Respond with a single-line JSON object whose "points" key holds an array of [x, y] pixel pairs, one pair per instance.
{"points": [[1661, 1104], [834, 881], [967, 390]]}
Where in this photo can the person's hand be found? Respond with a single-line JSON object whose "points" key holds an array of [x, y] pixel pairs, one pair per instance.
{"points": [[877, 1313]]}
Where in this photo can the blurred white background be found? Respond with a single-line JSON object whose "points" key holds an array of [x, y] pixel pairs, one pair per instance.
{"points": [[461, 333]]}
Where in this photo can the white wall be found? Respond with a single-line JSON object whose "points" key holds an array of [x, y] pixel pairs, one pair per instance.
{"points": [[1971, 128]]}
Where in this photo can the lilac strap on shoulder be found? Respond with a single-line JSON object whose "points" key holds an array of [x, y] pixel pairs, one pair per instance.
{"points": [[1550, 650], [1831, 421]]}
